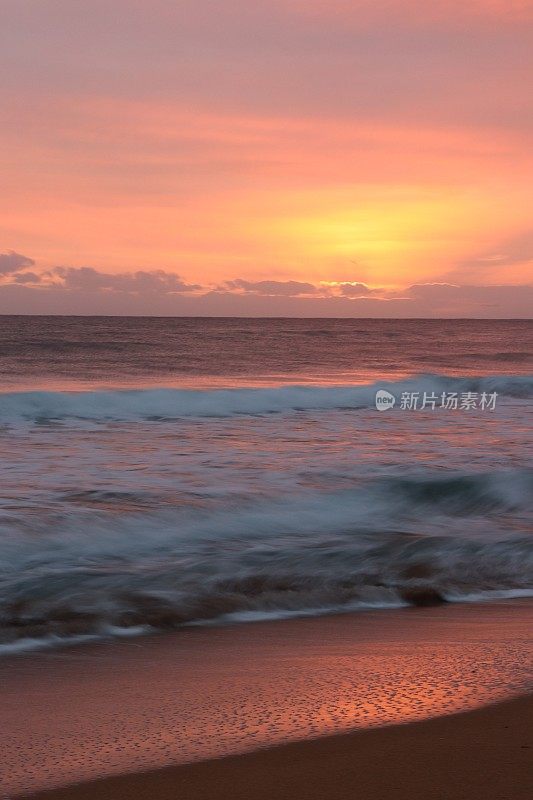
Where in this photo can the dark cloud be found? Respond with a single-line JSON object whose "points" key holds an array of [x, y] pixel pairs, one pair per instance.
{"points": [[86, 290], [13, 262], [454, 300], [418, 301], [141, 281], [26, 277], [271, 288]]}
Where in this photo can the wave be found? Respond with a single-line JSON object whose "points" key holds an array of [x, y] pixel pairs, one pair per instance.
{"points": [[317, 553], [84, 604], [167, 404], [464, 494]]}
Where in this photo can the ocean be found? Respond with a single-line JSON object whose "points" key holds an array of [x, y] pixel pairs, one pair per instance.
{"points": [[159, 473]]}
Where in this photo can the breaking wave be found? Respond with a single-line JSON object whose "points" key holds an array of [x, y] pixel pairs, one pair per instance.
{"points": [[313, 554], [158, 404]]}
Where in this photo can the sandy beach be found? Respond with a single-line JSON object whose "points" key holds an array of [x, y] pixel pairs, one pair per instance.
{"points": [[481, 755], [201, 697]]}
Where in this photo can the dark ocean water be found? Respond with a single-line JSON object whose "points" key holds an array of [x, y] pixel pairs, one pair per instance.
{"points": [[162, 472], [92, 351]]}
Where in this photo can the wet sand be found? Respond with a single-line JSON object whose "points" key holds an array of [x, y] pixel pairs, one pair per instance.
{"points": [[480, 755], [137, 706]]}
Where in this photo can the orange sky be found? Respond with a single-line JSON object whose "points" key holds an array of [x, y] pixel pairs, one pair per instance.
{"points": [[384, 143]]}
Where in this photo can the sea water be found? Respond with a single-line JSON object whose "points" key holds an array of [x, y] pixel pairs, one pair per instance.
{"points": [[158, 473]]}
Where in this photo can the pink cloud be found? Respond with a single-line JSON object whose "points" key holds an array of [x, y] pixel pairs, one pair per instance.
{"points": [[271, 288], [354, 289]]}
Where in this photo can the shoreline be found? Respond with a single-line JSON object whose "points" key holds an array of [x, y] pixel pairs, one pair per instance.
{"points": [[135, 707], [484, 754]]}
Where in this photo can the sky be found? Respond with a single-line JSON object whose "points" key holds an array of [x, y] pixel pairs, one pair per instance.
{"points": [[269, 157]]}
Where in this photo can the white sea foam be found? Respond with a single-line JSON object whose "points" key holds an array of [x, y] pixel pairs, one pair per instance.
{"points": [[313, 554], [157, 404]]}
